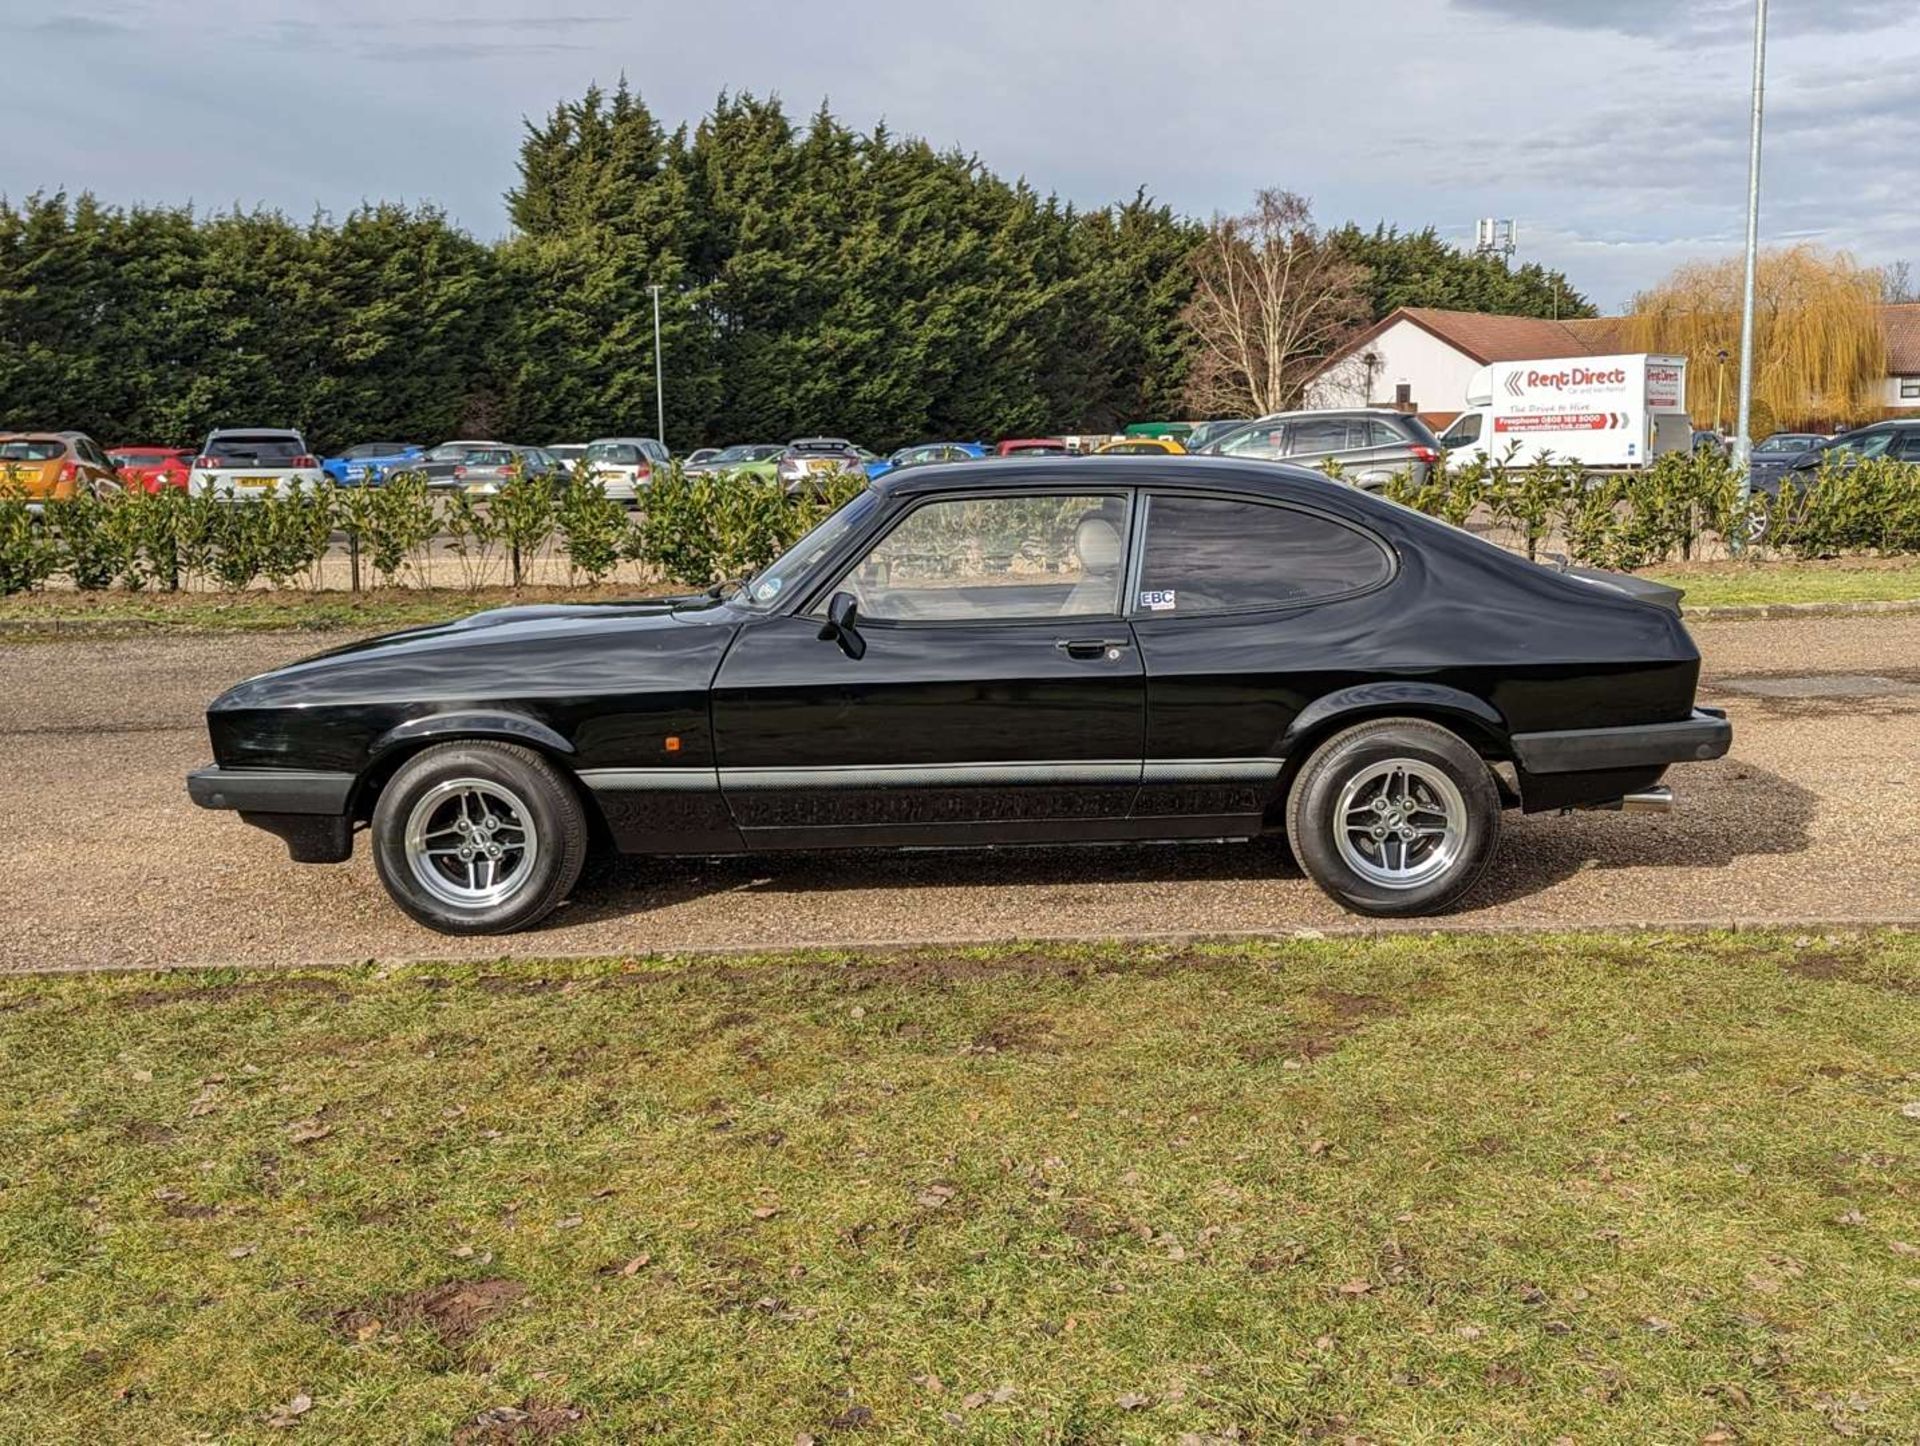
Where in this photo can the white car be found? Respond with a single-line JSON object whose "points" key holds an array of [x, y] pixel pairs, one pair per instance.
{"points": [[624, 465], [244, 464]]}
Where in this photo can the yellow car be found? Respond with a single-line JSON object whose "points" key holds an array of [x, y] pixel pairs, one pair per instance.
{"points": [[1141, 446], [53, 466]]}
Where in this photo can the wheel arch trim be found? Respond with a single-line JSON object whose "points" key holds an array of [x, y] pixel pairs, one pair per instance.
{"points": [[1432, 702]]}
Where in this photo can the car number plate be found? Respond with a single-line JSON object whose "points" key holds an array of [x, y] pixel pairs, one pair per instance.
{"points": [[257, 481]]}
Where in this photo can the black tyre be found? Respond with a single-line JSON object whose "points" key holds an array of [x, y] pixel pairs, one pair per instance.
{"points": [[479, 838], [1393, 817]]}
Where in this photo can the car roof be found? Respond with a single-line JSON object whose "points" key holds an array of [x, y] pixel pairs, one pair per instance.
{"points": [[1166, 470], [253, 432], [623, 441]]}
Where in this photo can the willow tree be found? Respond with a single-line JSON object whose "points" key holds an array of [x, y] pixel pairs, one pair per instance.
{"points": [[1819, 354]]}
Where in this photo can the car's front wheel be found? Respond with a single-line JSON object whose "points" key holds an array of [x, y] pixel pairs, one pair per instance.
{"points": [[1396, 816], [479, 837]]}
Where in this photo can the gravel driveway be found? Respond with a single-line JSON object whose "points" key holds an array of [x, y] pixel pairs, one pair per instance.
{"points": [[1812, 817]]}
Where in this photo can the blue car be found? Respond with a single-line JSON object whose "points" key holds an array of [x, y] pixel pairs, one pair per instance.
{"points": [[368, 463], [926, 452]]}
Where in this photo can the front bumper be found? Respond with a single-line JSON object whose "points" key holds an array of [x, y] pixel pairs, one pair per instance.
{"points": [[305, 809], [1707, 734]]}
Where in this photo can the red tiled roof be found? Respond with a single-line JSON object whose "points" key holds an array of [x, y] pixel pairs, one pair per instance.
{"points": [[1902, 324]]}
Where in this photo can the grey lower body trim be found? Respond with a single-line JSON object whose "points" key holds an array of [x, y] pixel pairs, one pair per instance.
{"points": [[270, 790], [934, 775], [651, 780], [1584, 750], [1212, 770]]}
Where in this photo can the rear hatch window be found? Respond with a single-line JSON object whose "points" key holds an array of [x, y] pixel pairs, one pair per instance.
{"points": [[32, 451], [614, 454], [254, 451]]}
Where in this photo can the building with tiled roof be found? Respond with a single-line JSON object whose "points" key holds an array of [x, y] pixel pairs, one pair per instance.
{"points": [[1421, 358]]}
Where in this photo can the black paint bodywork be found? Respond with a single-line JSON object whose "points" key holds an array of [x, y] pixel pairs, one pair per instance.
{"points": [[705, 726]]}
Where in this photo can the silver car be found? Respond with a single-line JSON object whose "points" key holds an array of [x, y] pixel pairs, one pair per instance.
{"points": [[1372, 445]]}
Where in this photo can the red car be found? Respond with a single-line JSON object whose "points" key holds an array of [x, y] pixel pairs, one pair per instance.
{"points": [[1031, 447], [152, 467]]}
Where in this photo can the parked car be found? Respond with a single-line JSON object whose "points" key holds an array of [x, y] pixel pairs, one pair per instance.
{"points": [[1140, 447], [47, 467], [1897, 439], [152, 468], [244, 464], [1041, 651], [809, 460], [923, 453], [1707, 440], [1789, 444], [439, 464], [759, 461], [624, 465], [1031, 447], [568, 454], [1204, 433], [484, 472], [1371, 445], [700, 456], [370, 463]]}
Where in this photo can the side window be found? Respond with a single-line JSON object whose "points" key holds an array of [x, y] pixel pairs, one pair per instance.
{"points": [[1209, 555], [967, 559], [1267, 443], [1464, 432], [1312, 437], [1384, 434]]}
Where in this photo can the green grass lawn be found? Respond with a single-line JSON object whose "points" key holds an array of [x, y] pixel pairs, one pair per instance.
{"points": [[1727, 584], [1409, 1189]]}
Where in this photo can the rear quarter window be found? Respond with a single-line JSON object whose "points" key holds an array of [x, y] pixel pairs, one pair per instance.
{"points": [[1216, 555]]}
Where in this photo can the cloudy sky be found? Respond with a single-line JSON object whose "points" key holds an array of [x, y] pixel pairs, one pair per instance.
{"points": [[1613, 130]]}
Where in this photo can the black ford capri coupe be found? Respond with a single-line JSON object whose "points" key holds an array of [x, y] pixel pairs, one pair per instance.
{"points": [[1040, 651]]}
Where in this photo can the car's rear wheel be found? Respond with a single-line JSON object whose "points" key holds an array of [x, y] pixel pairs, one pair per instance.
{"points": [[478, 838], [1396, 816]]}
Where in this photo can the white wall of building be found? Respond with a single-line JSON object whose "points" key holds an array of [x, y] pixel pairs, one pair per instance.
{"points": [[1436, 371], [1902, 393]]}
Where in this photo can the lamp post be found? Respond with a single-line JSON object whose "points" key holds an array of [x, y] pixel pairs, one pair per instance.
{"points": [[659, 385], [1742, 442]]}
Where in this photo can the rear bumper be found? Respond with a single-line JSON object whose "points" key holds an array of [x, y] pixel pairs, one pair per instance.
{"points": [[1705, 735]]}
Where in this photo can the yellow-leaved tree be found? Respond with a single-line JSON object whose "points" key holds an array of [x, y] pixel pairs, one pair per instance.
{"points": [[1820, 353]]}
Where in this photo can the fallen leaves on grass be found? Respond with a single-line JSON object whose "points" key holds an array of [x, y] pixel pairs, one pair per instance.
{"points": [[281, 1417], [305, 1132], [453, 1311], [1132, 1401]]}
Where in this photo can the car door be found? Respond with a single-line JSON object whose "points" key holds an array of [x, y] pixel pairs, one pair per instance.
{"points": [[993, 691], [1245, 610]]}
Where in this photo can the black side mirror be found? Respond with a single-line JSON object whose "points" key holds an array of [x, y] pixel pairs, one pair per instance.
{"points": [[842, 625]]}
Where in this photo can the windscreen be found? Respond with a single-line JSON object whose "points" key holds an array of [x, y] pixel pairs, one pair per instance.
{"points": [[32, 450]]}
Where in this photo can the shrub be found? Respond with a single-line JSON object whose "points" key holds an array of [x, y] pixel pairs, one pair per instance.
{"points": [[471, 535], [523, 518], [391, 523], [28, 553], [592, 527]]}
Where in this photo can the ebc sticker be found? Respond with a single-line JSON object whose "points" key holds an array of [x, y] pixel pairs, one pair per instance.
{"points": [[1158, 601]]}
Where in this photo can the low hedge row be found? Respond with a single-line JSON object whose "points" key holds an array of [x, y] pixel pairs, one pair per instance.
{"points": [[694, 530], [1684, 504], [697, 530]]}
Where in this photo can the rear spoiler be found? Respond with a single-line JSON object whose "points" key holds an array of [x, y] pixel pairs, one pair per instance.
{"points": [[1640, 589]]}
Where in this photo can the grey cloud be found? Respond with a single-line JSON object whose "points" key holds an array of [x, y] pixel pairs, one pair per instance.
{"points": [[79, 27], [1697, 21]]}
